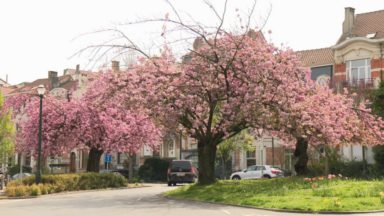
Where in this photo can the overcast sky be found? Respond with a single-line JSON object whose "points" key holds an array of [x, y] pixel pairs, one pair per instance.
{"points": [[38, 36]]}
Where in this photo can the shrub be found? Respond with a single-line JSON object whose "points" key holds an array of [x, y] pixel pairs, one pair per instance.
{"points": [[64, 182], [35, 190], [154, 169]]}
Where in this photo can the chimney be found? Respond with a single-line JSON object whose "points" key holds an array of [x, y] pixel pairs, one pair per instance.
{"points": [[53, 79], [199, 42], [115, 66], [6, 78], [348, 21]]}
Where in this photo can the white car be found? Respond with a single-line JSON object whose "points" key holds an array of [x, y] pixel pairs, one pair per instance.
{"points": [[257, 171], [23, 175]]}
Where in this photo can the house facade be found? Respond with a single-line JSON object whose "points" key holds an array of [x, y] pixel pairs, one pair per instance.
{"points": [[355, 62]]}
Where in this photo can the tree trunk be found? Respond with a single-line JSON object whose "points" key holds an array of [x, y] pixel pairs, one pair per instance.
{"points": [[130, 168], [207, 156], [301, 156], [326, 165], [93, 164]]}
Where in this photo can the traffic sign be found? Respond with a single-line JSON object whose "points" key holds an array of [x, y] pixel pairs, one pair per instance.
{"points": [[107, 158]]}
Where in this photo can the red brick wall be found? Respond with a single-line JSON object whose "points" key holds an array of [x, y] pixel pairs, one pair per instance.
{"points": [[339, 77], [376, 63], [340, 68], [340, 73], [375, 74]]}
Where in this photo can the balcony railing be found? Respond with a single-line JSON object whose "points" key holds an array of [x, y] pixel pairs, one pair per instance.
{"points": [[367, 83]]}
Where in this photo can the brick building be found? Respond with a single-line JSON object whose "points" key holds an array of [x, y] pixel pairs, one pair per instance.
{"points": [[354, 62]]}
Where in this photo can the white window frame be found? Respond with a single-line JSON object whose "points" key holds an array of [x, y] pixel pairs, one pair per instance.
{"points": [[171, 148], [147, 151], [366, 68]]}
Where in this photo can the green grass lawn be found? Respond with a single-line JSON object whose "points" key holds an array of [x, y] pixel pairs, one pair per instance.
{"points": [[290, 193]]}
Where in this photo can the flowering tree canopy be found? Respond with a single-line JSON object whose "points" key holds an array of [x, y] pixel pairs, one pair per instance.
{"points": [[219, 89], [83, 123]]}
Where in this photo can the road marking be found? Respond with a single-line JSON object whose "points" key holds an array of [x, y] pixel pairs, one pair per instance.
{"points": [[225, 211], [253, 215], [138, 199]]}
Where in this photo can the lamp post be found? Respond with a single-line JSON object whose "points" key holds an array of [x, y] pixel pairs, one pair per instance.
{"points": [[40, 91]]}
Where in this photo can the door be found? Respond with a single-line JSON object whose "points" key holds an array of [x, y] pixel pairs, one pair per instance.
{"points": [[250, 173], [260, 171]]}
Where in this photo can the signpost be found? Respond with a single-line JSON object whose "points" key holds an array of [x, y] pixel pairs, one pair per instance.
{"points": [[107, 159]]}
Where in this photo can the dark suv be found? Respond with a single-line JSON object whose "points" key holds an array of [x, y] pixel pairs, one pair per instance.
{"points": [[181, 171]]}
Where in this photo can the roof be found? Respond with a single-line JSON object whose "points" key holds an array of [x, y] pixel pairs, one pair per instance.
{"points": [[316, 57], [30, 86], [65, 81], [366, 23], [6, 90]]}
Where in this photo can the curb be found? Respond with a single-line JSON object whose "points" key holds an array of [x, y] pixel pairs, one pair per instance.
{"points": [[275, 210]]}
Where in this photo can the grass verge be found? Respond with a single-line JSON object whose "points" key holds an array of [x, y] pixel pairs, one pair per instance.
{"points": [[291, 194]]}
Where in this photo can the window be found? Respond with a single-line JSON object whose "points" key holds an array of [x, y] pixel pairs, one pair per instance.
{"points": [[171, 148], [259, 168], [251, 158], [359, 71], [147, 151]]}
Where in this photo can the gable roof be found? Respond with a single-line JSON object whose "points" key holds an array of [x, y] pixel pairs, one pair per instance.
{"points": [[366, 23], [316, 57]]}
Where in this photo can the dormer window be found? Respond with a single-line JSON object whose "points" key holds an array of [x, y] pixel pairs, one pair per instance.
{"points": [[371, 35], [359, 71]]}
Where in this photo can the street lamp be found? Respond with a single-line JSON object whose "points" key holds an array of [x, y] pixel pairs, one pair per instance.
{"points": [[40, 92]]}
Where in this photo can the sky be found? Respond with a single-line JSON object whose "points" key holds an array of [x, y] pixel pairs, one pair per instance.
{"points": [[42, 35]]}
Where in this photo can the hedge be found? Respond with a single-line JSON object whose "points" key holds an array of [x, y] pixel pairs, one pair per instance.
{"points": [[154, 169], [64, 182]]}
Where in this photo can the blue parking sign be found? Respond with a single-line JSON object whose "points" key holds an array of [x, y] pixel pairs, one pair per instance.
{"points": [[107, 158]]}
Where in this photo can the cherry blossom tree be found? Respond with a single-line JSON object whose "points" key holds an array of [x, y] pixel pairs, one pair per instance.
{"points": [[326, 118], [221, 88], [81, 123]]}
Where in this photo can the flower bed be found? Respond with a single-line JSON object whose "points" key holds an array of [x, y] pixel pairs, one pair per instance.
{"points": [[64, 182]]}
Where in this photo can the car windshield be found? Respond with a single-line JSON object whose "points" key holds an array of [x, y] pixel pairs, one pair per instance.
{"points": [[181, 166]]}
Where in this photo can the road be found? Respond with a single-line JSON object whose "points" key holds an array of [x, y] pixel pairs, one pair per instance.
{"points": [[145, 201]]}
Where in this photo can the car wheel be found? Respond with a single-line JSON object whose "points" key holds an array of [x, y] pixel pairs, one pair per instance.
{"points": [[174, 183], [236, 178], [169, 184], [266, 176]]}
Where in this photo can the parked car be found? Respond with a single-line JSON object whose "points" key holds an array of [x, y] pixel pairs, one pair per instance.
{"points": [[258, 171], [21, 176], [181, 171]]}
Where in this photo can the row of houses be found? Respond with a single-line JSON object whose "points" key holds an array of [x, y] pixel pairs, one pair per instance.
{"points": [[355, 61]]}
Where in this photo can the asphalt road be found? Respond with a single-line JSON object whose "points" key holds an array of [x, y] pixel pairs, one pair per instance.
{"points": [[145, 201]]}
